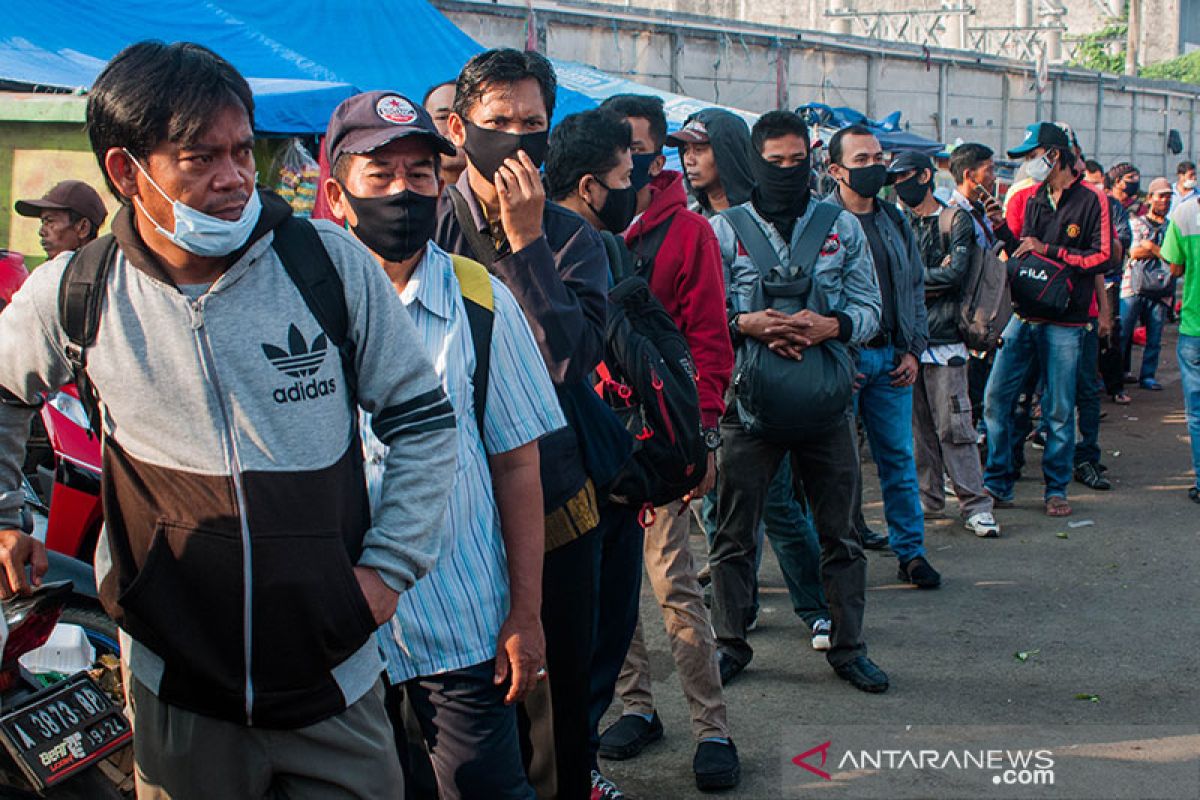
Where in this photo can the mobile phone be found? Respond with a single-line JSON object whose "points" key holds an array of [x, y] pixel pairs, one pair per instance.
{"points": [[983, 194]]}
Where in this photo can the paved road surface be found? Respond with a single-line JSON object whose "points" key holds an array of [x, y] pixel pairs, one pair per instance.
{"points": [[1110, 610]]}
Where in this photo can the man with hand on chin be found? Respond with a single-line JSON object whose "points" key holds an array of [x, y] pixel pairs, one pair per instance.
{"points": [[466, 642], [887, 363], [555, 265]]}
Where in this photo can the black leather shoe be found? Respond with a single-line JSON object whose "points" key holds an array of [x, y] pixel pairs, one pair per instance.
{"points": [[1091, 476], [874, 541], [863, 674], [919, 573], [716, 766], [730, 667], [628, 736]]}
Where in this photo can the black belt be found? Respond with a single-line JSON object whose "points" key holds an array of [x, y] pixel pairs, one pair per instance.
{"points": [[878, 341]]}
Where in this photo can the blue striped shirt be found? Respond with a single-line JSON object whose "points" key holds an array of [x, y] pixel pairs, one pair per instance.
{"points": [[450, 618]]}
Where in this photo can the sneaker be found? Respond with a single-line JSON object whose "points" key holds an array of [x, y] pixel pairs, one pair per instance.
{"points": [[604, 789], [919, 573], [729, 667], [1037, 440], [1091, 477], [983, 525], [752, 625], [629, 736], [1151, 385], [874, 541], [820, 634], [716, 766], [1122, 399]]}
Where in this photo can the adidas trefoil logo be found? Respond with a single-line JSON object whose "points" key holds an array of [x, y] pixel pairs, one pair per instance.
{"points": [[300, 360]]}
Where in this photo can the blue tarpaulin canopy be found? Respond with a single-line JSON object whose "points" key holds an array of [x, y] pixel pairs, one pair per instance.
{"points": [[305, 57], [888, 130]]}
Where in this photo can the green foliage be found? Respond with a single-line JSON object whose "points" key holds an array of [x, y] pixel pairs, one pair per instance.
{"points": [[1096, 49], [1184, 68]]}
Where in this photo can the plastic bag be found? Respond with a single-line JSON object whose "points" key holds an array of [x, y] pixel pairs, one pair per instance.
{"points": [[298, 176]]}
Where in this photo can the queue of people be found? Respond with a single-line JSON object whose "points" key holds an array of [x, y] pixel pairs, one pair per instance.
{"points": [[414, 582]]}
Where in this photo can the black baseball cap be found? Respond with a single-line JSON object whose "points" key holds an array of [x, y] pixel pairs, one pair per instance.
{"points": [[907, 160], [370, 120], [1040, 134], [74, 196]]}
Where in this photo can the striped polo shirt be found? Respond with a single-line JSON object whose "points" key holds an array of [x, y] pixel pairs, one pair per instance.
{"points": [[450, 618]]}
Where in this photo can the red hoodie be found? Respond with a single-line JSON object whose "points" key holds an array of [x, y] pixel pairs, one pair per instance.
{"points": [[688, 280]]}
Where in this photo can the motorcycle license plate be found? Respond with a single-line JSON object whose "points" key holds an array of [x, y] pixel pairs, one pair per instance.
{"points": [[63, 729]]}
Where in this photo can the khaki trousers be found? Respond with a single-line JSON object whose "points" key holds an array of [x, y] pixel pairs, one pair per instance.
{"points": [[944, 441], [672, 572]]}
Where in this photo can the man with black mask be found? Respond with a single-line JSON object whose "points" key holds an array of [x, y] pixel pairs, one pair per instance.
{"points": [[555, 265], [840, 303], [466, 641], [943, 431], [887, 363], [716, 161]]}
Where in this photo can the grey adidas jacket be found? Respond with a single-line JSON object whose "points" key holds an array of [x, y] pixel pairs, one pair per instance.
{"points": [[235, 505]]}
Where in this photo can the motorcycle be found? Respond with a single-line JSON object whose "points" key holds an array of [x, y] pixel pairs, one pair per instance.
{"points": [[55, 737]]}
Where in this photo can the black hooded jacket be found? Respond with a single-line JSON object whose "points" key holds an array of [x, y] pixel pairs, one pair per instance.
{"points": [[730, 138]]}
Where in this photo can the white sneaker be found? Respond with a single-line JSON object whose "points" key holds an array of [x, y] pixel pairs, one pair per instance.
{"points": [[820, 634], [983, 525]]}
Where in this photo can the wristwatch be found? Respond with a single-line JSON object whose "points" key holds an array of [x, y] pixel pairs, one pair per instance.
{"points": [[734, 329], [712, 438]]}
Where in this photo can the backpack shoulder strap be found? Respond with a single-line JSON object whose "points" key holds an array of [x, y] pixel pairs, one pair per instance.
{"points": [[80, 295], [307, 263], [757, 245], [483, 250], [620, 260], [475, 284], [807, 244], [645, 248]]}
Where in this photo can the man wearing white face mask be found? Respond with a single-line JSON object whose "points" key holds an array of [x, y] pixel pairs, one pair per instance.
{"points": [[1185, 184], [1066, 240], [230, 348]]}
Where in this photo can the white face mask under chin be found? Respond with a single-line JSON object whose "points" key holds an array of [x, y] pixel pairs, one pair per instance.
{"points": [[199, 233]]}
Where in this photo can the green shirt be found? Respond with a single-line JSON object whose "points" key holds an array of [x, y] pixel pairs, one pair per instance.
{"points": [[1181, 245]]}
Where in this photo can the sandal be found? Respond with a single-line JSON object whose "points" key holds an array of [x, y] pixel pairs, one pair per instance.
{"points": [[1057, 507]]}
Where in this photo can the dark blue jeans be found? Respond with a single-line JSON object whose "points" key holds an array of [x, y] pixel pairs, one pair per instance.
{"points": [[1057, 350], [797, 547], [1088, 388], [887, 416], [1152, 314], [1188, 352], [618, 590]]}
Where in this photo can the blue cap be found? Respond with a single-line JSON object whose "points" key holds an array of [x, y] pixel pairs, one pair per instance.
{"points": [[1040, 134]]}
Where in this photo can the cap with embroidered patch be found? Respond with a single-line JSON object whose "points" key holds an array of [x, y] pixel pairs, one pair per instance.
{"points": [[693, 132], [1041, 134], [370, 120]]}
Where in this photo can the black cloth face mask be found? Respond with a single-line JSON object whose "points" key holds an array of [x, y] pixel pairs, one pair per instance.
{"points": [[912, 192], [488, 149], [780, 194], [641, 169], [867, 181], [618, 210], [395, 226], [1133, 188]]}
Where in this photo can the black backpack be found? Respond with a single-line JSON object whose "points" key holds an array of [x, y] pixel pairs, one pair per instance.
{"points": [[778, 398], [307, 263], [649, 379]]}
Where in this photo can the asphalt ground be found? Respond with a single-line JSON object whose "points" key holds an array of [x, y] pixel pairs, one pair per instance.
{"points": [[1081, 638]]}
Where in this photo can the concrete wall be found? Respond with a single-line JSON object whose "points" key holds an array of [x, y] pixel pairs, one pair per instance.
{"points": [[946, 94]]}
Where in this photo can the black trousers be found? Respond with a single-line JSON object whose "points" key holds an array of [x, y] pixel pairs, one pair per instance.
{"points": [[554, 723], [471, 736], [1112, 357], [824, 471]]}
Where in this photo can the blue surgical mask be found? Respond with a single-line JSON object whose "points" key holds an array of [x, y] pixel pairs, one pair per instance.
{"points": [[199, 233]]}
